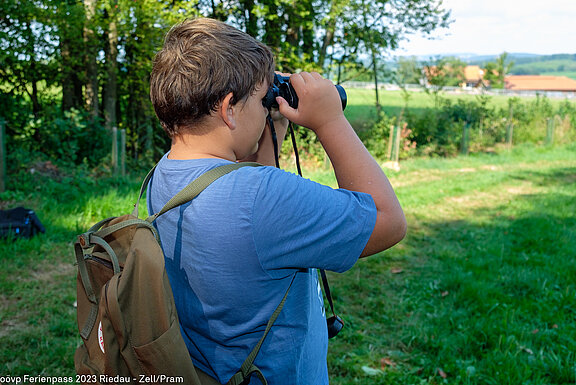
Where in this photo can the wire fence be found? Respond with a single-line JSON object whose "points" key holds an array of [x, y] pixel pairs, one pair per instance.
{"points": [[466, 90]]}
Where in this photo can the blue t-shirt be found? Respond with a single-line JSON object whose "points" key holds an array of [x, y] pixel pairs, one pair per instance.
{"points": [[232, 252]]}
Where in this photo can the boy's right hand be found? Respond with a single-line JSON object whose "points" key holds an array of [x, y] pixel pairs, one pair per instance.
{"points": [[320, 109], [319, 104]]}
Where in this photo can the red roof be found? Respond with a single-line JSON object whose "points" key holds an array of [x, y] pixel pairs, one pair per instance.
{"points": [[540, 83]]}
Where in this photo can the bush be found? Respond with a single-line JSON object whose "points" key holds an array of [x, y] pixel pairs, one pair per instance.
{"points": [[440, 131], [376, 138], [69, 138], [309, 148]]}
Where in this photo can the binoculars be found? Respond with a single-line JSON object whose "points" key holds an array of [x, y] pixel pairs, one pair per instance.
{"points": [[282, 87]]}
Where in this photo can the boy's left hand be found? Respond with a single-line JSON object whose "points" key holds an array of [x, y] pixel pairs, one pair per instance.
{"points": [[275, 112]]}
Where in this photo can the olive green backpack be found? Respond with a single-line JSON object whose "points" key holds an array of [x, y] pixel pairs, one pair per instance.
{"points": [[126, 312]]}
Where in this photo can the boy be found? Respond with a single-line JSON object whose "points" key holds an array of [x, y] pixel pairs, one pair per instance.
{"points": [[232, 252]]}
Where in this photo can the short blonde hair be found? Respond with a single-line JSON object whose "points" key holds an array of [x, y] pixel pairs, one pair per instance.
{"points": [[203, 60]]}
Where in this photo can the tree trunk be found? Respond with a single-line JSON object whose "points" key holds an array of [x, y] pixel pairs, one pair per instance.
{"points": [[110, 94], [34, 94], [327, 42], [370, 43], [273, 26], [330, 31], [251, 19], [91, 85], [31, 76], [68, 94], [70, 23], [375, 70], [293, 31]]}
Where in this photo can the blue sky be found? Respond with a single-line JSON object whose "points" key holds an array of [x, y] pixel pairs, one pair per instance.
{"points": [[494, 26]]}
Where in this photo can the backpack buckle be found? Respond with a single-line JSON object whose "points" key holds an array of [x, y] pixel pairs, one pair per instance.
{"points": [[84, 240]]}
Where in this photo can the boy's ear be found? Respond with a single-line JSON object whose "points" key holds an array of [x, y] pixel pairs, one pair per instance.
{"points": [[227, 110]]}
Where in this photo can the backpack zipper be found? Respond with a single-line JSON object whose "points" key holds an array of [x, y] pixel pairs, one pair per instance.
{"points": [[101, 261]]}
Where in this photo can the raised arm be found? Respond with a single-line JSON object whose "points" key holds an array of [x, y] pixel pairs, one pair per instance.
{"points": [[320, 110]]}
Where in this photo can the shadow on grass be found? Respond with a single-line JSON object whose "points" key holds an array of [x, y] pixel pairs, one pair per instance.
{"points": [[485, 300]]}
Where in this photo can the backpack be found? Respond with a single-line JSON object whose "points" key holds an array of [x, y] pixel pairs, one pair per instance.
{"points": [[19, 223], [126, 312]]}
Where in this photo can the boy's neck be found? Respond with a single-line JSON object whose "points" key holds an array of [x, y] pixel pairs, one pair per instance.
{"points": [[212, 144]]}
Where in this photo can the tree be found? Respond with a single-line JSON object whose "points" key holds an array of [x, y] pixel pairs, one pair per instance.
{"points": [[503, 66], [373, 28], [27, 52], [110, 87], [70, 24], [93, 57], [439, 74], [495, 72], [91, 45], [141, 29], [409, 71]]}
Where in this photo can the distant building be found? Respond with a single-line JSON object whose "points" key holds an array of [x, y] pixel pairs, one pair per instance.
{"points": [[474, 77], [470, 76], [540, 83]]}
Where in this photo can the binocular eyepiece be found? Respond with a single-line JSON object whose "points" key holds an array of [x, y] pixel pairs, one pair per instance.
{"points": [[282, 87]]}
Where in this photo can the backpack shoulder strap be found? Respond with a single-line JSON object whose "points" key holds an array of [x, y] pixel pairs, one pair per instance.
{"points": [[248, 368], [143, 189], [192, 190]]}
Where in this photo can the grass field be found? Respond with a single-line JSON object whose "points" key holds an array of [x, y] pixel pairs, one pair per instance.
{"points": [[558, 66], [570, 74], [481, 291], [361, 110]]}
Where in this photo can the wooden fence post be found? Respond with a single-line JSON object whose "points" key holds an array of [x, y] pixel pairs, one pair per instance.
{"points": [[390, 143], [2, 157], [123, 152], [465, 139], [550, 126], [397, 142], [510, 128], [394, 143], [114, 149]]}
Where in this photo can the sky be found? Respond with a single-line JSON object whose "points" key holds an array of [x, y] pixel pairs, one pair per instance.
{"points": [[490, 27]]}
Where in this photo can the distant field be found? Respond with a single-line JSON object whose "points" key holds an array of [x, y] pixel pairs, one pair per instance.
{"points": [[565, 66], [361, 108], [570, 74]]}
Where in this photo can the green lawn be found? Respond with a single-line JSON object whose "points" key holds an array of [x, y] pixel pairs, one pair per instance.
{"points": [[481, 291]]}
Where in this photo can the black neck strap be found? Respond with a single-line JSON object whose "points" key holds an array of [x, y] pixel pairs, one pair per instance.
{"points": [[276, 158], [274, 140]]}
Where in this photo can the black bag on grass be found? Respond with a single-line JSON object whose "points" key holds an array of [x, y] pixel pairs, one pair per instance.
{"points": [[19, 223]]}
